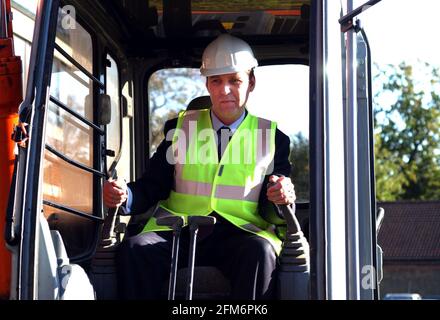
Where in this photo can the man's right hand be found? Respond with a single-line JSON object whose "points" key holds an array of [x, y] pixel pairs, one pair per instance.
{"points": [[114, 193]]}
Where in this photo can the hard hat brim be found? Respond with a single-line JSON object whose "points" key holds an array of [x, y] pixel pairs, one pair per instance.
{"points": [[220, 71]]}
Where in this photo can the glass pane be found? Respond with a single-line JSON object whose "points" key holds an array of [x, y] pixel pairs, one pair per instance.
{"points": [[72, 87], [30, 5], [125, 165], [23, 49], [282, 94], [23, 28], [75, 40], [66, 184], [69, 135], [114, 127], [170, 91]]}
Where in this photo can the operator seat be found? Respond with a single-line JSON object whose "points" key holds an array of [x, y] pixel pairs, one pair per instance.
{"points": [[198, 103]]}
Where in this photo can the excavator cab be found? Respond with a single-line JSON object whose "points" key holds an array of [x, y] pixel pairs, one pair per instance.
{"points": [[105, 75]]}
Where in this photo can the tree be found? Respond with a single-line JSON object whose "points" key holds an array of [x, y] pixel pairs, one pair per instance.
{"points": [[170, 91], [407, 135]]}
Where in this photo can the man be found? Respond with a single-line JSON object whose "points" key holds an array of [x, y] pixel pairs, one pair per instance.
{"points": [[190, 174]]}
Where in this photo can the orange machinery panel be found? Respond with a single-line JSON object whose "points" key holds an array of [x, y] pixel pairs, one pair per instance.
{"points": [[10, 98]]}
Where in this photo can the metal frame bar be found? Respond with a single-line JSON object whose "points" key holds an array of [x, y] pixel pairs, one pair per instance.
{"points": [[40, 68], [73, 162], [374, 212], [80, 67], [347, 20], [351, 171], [364, 170], [76, 115], [71, 210], [317, 202]]}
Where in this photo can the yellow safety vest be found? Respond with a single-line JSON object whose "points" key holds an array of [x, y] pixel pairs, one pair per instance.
{"points": [[231, 187]]}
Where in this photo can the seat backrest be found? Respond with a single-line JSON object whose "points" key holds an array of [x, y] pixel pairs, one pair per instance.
{"points": [[202, 102]]}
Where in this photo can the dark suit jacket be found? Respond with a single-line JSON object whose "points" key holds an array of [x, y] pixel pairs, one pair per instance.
{"points": [[158, 179]]}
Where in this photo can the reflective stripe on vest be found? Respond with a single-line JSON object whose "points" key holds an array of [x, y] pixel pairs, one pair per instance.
{"points": [[231, 186]]}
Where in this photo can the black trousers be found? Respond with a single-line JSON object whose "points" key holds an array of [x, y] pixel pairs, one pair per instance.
{"points": [[247, 260]]}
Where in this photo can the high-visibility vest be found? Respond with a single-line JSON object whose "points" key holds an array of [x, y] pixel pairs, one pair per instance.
{"points": [[231, 187]]}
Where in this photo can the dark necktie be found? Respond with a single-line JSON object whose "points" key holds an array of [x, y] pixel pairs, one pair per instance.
{"points": [[223, 137]]}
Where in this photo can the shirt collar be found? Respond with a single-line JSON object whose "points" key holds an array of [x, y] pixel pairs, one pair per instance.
{"points": [[217, 124]]}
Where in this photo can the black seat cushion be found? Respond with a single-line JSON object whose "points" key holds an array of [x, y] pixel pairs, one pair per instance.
{"points": [[202, 102]]}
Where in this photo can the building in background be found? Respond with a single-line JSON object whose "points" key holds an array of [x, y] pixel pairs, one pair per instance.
{"points": [[410, 240]]}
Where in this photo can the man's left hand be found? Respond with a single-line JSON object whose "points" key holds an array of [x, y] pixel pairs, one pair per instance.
{"points": [[282, 191]]}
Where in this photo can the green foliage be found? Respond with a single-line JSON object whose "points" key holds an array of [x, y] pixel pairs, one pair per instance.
{"points": [[170, 91], [407, 135], [299, 157]]}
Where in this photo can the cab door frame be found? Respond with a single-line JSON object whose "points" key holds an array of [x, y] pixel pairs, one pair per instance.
{"points": [[34, 238], [33, 112]]}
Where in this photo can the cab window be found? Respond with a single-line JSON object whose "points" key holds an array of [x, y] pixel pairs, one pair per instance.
{"points": [[114, 127], [282, 95], [68, 188], [169, 92]]}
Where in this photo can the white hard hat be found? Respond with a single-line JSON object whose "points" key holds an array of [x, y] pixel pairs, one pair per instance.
{"points": [[227, 54]]}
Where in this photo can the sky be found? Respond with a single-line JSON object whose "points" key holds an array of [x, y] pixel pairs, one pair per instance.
{"points": [[403, 30], [31, 5]]}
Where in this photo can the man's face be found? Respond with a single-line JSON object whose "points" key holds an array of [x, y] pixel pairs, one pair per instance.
{"points": [[229, 93]]}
